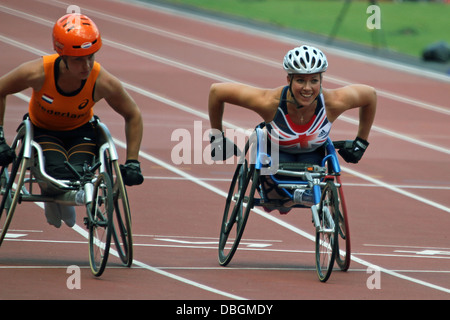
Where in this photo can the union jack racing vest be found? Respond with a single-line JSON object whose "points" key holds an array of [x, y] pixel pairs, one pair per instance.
{"points": [[294, 138]]}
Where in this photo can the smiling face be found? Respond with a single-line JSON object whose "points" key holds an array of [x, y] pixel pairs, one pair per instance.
{"points": [[305, 87]]}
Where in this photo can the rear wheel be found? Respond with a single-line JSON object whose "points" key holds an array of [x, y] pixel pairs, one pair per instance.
{"points": [[343, 254]]}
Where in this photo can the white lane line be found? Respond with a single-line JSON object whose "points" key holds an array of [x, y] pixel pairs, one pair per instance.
{"points": [[403, 246], [297, 269], [347, 184], [245, 245], [396, 189]]}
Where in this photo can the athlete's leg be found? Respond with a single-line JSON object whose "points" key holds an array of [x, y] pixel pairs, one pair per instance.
{"points": [[54, 153], [82, 146]]}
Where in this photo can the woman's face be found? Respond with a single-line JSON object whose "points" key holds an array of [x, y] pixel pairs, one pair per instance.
{"points": [[305, 87], [80, 67]]}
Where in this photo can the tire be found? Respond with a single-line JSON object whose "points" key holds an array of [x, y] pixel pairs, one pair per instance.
{"points": [[122, 234], [100, 215], [343, 255], [237, 207], [11, 182], [327, 235]]}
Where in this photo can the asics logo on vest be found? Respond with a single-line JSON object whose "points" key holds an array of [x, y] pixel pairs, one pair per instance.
{"points": [[83, 104]]}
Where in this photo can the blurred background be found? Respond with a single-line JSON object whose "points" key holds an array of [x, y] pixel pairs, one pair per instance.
{"points": [[416, 32]]}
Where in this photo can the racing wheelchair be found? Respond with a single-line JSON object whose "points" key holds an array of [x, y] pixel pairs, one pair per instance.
{"points": [[100, 188], [287, 186]]}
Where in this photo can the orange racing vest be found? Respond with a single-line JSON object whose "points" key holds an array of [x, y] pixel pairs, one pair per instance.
{"points": [[52, 109]]}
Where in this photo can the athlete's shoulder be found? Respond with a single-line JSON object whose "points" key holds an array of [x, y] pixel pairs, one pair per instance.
{"points": [[30, 73], [106, 85], [347, 96]]}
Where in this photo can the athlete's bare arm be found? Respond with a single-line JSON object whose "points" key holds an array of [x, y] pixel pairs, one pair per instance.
{"points": [[350, 97], [263, 101], [27, 75], [108, 87]]}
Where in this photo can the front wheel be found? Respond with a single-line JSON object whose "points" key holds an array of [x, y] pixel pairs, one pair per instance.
{"points": [[12, 179], [122, 233], [100, 215], [237, 208], [327, 233]]}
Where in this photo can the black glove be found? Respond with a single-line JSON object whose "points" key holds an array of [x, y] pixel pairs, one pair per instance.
{"points": [[351, 150], [222, 148], [6, 153], [131, 173]]}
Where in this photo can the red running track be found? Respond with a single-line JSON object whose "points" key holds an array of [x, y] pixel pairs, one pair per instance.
{"points": [[397, 197]]}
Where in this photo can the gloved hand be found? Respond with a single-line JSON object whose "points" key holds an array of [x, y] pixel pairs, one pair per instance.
{"points": [[131, 173], [6, 153], [352, 150], [222, 148]]}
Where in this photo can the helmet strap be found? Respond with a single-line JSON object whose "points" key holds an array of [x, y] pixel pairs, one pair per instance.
{"points": [[64, 59]]}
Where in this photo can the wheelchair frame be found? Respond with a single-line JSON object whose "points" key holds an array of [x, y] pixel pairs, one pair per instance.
{"points": [[329, 213], [100, 189]]}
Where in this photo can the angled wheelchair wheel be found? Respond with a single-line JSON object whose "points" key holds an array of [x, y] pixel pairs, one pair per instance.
{"points": [[100, 215], [122, 235], [343, 254], [237, 207], [327, 234], [12, 179], [121, 232]]}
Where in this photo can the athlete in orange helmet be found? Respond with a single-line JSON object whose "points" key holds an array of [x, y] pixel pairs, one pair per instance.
{"points": [[76, 35], [66, 86]]}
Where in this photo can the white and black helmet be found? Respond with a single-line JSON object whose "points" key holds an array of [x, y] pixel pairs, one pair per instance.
{"points": [[305, 60]]}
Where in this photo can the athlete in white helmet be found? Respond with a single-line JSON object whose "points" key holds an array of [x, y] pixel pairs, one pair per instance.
{"points": [[298, 115]]}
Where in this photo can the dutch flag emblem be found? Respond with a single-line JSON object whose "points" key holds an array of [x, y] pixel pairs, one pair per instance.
{"points": [[47, 98]]}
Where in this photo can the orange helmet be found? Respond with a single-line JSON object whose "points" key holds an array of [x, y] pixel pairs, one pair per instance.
{"points": [[76, 35]]}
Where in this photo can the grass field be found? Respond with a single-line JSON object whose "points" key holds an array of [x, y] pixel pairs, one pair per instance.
{"points": [[405, 27]]}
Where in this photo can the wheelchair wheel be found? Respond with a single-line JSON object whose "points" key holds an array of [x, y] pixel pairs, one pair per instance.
{"points": [[327, 234], [344, 249], [121, 231], [100, 214], [11, 182], [122, 234], [237, 208]]}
